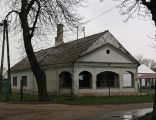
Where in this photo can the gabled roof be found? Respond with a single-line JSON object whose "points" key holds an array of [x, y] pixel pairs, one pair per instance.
{"points": [[72, 51], [109, 39], [144, 69], [64, 53]]}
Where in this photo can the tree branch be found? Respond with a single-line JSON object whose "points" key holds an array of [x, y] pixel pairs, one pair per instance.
{"points": [[30, 5], [144, 2], [36, 18], [13, 11]]}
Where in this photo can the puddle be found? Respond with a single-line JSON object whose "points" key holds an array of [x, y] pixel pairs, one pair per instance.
{"points": [[129, 115], [126, 115]]}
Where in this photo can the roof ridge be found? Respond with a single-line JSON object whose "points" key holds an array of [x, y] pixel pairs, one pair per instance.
{"points": [[85, 37], [47, 53]]}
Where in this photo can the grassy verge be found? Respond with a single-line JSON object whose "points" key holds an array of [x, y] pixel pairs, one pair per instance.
{"points": [[102, 100], [16, 98], [89, 100]]}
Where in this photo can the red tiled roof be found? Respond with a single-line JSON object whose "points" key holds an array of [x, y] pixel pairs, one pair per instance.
{"points": [[149, 75]]}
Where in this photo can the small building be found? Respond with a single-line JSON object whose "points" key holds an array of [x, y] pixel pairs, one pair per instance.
{"points": [[93, 65], [146, 76]]}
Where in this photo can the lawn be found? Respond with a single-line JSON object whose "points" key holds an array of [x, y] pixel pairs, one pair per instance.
{"points": [[88, 100], [102, 100]]}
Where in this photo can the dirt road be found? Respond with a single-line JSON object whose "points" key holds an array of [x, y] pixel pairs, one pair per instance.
{"points": [[10, 111]]}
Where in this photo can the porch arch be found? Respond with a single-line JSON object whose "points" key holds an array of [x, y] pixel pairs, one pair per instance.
{"points": [[65, 80], [85, 79], [107, 79]]}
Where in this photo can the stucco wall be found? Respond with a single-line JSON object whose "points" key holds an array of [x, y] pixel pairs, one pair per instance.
{"points": [[101, 55], [52, 76], [53, 80], [94, 70], [30, 80]]}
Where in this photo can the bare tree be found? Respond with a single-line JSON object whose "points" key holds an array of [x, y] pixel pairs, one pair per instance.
{"points": [[146, 61], [33, 17], [143, 8]]}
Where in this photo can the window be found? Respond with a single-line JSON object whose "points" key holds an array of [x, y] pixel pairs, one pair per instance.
{"points": [[14, 81], [65, 80], [128, 79], [107, 79], [24, 79], [85, 79]]}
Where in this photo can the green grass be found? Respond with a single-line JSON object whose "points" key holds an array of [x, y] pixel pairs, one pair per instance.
{"points": [[15, 97], [102, 100], [89, 100]]}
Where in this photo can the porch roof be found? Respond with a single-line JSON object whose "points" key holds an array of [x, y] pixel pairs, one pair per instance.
{"points": [[147, 75]]}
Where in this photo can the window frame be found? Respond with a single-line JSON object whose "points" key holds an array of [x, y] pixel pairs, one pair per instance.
{"points": [[14, 80], [25, 81]]}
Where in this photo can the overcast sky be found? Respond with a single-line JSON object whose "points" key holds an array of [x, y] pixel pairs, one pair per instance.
{"points": [[133, 35]]}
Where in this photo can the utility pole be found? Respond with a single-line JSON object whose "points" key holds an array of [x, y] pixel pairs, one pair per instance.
{"points": [[84, 32], [8, 56], [2, 57], [5, 37], [77, 32]]}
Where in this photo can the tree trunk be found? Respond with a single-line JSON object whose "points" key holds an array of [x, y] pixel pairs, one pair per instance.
{"points": [[37, 71], [152, 8], [35, 67]]}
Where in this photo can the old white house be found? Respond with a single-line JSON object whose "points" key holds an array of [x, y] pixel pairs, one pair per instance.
{"points": [[146, 76], [94, 65]]}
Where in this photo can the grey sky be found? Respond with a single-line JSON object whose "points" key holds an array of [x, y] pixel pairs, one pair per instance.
{"points": [[133, 35]]}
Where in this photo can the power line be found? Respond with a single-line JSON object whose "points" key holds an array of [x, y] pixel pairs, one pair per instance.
{"points": [[95, 17]]}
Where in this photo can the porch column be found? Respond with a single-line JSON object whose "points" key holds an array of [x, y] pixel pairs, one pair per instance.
{"points": [[72, 77], [136, 82], [75, 82], [57, 82], [152, 82], [94, 80], [121, 82]]}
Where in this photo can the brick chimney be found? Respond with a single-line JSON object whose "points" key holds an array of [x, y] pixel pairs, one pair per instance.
{"points": [[59, 38]]}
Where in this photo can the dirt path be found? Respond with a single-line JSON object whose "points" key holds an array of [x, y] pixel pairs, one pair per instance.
{"points": [[60, 112]]}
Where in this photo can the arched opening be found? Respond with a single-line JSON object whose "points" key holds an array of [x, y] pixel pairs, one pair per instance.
{"points": [[85, 79], [65, 80], [128, 79], [107, 79]]}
